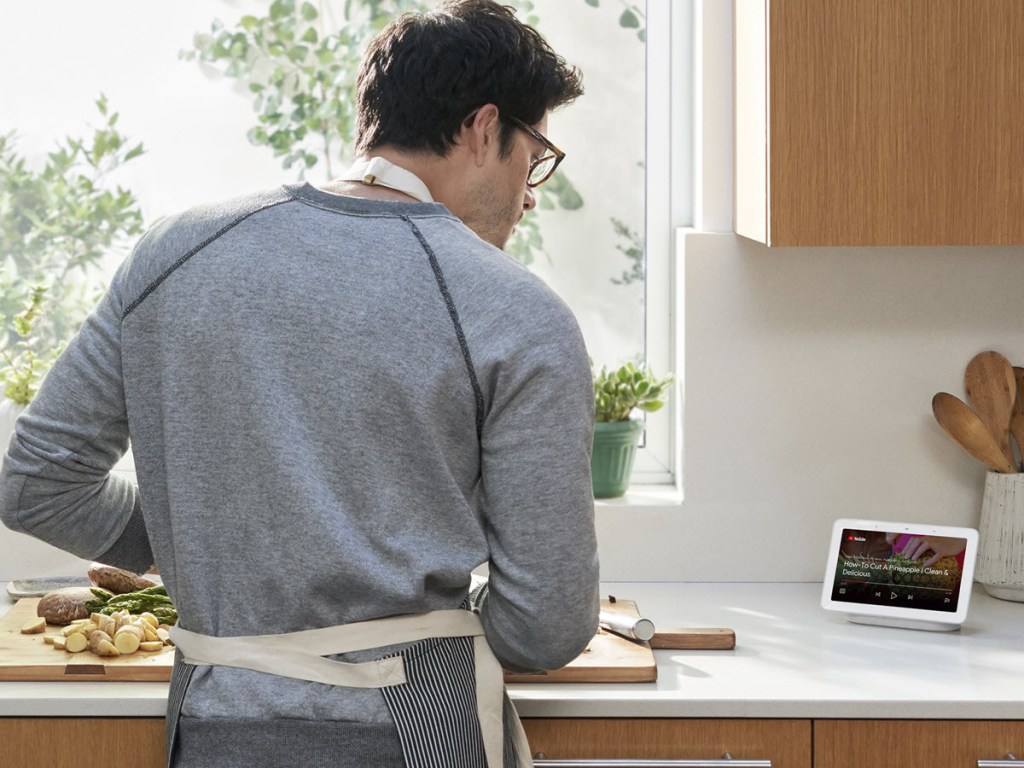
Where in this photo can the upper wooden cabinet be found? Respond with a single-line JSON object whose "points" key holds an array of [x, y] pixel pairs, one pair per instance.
{"points": [[880, 122]]}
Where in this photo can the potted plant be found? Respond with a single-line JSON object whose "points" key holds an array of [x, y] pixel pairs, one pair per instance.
{"points": [[617, 394]]}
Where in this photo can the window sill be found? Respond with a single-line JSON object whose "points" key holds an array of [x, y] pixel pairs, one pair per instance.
{"points": [[666, 495]]}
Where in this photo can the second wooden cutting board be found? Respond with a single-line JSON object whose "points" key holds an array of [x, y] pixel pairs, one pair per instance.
{"points": [[608, 659]]}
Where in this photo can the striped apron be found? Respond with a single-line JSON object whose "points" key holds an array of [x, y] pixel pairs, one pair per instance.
{"points": [[300, 655]]}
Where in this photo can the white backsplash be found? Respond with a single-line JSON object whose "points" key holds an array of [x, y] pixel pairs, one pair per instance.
{"points": [[807, 384]]}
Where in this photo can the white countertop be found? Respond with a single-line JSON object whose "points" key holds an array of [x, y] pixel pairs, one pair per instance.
{"points": [[792, 659]]}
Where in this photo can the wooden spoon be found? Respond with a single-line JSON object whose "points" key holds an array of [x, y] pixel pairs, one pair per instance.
{"points": [[1017, 417], [991, 390], [964, 426]]}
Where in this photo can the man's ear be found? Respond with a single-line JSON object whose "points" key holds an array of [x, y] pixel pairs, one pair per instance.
{"points": [[480, 132]]}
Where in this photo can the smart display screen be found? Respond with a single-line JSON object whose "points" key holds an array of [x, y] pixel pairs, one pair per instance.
{"points": [[899, 569]]}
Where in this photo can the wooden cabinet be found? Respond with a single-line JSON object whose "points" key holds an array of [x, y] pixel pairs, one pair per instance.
{"points": [[787, 743], [879, 122], [932, 743], [139, 742], [73, 741]]}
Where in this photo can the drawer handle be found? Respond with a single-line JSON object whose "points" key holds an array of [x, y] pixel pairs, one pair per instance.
{"points": [[1008, 762], [726, 762]]}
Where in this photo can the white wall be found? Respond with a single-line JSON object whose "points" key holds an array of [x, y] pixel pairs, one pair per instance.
{"points": [[809, 375]]}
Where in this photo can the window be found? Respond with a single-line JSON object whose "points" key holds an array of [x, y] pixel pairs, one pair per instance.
{"points": [[602, 236], [611, 259]]}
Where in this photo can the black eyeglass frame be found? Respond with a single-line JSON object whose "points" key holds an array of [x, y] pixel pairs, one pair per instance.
{"points": [[558, 154]]}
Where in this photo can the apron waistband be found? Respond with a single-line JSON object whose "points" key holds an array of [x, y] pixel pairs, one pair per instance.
{"points": [[300, 655]]}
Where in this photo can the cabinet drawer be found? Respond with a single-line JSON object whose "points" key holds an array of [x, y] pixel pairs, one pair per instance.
{"points": [[67, 741], [932, 743], [787, 743]]}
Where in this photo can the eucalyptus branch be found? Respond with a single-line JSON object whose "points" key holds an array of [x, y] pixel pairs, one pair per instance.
{"points": [[55, 226]]}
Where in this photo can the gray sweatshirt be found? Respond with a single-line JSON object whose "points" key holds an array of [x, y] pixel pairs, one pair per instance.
{"points": [[338, 408]]}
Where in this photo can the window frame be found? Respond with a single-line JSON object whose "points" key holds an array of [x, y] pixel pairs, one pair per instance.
{"points": [[668, 206]]}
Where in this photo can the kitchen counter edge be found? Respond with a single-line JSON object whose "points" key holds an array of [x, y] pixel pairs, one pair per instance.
{"points": [[792, 660]]}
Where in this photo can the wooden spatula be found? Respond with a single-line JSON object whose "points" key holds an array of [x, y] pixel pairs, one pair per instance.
{"points": [[1017, 417], [964, 426], [991, 391]]}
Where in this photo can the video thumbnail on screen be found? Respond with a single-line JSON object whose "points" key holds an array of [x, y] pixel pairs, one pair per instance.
{"points": [[904, 570]]}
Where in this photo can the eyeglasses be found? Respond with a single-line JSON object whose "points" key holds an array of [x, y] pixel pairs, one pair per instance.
{"points": [[542, 168]]}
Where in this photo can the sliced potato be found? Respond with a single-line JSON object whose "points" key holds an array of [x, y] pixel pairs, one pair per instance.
{"points": [[108, 625], [98, 636], [126, 642], [75, 643], [48, 639], [34, 626], [83, 627], [152, 620], [106, 648], [59, 642], [151, 646], [129, 629]]}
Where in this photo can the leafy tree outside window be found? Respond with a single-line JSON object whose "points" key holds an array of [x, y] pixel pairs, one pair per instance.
{"points": [[57, 224]]}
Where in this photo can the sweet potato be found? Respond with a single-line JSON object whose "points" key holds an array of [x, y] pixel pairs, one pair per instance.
{"points": [[117, 580], [63, 606]]}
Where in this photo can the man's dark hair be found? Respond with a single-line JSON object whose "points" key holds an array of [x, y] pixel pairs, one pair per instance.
{"points": [[426, 73]]}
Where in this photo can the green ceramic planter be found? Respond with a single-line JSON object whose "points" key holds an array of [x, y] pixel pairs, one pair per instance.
{"points": [[612, 459]]}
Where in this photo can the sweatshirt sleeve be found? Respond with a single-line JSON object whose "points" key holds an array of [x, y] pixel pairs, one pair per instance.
{"points": [[542, 604], [56, 483]]}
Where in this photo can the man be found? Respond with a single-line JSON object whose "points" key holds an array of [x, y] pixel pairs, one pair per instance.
{"points": [[342, 401]]}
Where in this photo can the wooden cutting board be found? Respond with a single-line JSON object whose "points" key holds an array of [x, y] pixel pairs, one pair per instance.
{"points": [[609, 658], [27, 657]]}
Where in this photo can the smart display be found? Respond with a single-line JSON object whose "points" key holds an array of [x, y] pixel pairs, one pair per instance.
{"points": [[900, 574]]}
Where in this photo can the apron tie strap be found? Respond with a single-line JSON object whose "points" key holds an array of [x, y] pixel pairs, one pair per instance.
{"points": [[300, 655]]}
